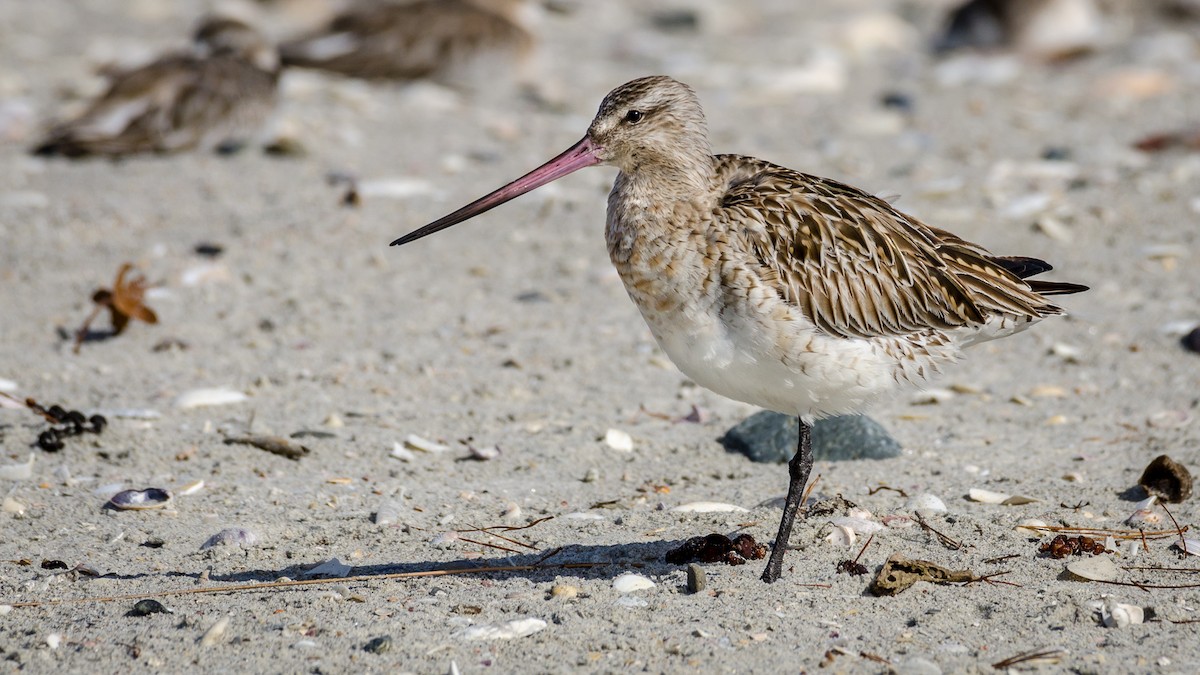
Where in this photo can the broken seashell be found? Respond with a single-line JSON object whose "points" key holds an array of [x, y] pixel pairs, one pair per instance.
{"points": [[485, 453], [140, 500], [12, 506], [505, 631], [402, 453], [708, 507], [1096, 568], [1167, 479], [1168, 419], [215, 632], [1113, 614], [332, 568], [1189, 546], [192, 488], [17, 471], [629, 582], [197, 398], [1143, 514], [990, 497], [423, 444], [1030, 527], [858, 525], [841, 535], [388, 513], [618, 440], [925, 503]]}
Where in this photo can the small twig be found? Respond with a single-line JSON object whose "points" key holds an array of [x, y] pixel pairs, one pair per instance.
{"points": [[1115, 534], [1032, 655], [898, 491], [946, 541], [1160, 568], [1010, 556], [1182, 541], [863, 550], [808, 491], [1147, 587], [490, 545], [1078, 505], [874, 657], [991, 579]]}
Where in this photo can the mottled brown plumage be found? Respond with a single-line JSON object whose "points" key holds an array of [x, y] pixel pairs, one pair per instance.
{"points": [[217, 96], [421, 39], [792, 292]]}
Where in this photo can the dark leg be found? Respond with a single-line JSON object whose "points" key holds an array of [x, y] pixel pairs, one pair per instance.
{"points": [[798, 470]]}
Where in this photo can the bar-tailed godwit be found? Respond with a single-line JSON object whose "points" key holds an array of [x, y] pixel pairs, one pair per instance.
{"points": [[766, 285], [219, 95], [425, 38]]}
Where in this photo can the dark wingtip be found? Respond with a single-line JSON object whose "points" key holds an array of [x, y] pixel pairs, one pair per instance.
{"points": [[1056, 287]]}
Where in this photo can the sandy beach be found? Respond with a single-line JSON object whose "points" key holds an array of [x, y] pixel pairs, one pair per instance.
{"points": [[512, 333]]}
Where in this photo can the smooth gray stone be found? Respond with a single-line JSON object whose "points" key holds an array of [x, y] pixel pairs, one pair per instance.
{"points": [[772, 437]]}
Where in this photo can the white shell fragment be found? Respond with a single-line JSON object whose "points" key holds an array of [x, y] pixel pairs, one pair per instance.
{"points": [[332, 568], [1144, 514], [990, 497], [8, 386], [214, 634], [191, 488], [925, 503], [1098, 568], [629, 582], [53, 640], [17, 471], [1113, 614], [505, 631], [858, 525], [841, 535], [1190, 546], [708, 507], [232, 536], [618, 440], [388, 513], [1030, 527], [402, 453], [199, 398], [424, 444], [12, 506]]}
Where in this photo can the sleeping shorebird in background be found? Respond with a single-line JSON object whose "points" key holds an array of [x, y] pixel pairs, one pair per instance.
{"points": [[791, 292], [217, 96], [439, 39], [1046, 29]]}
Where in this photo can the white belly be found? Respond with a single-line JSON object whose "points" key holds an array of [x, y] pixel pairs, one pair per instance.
{"points": [[786, 366]]}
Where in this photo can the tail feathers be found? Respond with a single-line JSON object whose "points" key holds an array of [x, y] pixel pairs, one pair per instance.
{"points": [[1055, 287], [1022, 266], [1025, 267]]}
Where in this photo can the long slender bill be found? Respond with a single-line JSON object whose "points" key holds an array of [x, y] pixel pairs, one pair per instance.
{"points": [[578, 156]]}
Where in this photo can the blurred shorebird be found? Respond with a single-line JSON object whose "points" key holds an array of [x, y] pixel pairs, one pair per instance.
{"points": [[766, 285], [439, 39], [217, 96], [1047, 29]]}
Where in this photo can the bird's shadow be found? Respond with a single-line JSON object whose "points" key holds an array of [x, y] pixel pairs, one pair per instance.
{"points": [[580, 561]]}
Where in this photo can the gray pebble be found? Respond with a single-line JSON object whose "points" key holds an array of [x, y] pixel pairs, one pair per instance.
{"points": [[771, 437], [697, 579]]}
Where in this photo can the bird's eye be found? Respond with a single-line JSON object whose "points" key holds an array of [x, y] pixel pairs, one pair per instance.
{"points": [[634, 116]]}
